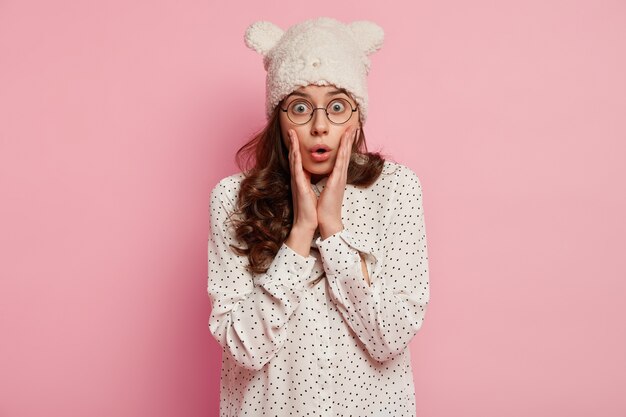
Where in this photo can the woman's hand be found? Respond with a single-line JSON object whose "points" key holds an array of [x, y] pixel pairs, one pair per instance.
{"points": [[304, 198], [331, 198]]}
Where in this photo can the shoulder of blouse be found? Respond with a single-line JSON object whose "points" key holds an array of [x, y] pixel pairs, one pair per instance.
{"points": [[402, 173], [227, 189]]}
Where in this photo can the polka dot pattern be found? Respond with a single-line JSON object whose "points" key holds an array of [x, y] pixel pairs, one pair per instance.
{"points": [[310, 337]]}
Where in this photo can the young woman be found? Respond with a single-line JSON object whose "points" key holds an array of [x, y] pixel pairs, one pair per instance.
{"points": [[318, 266]]}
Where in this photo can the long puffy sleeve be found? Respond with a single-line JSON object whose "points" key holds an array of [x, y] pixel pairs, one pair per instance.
{"points": [[249, 314], [386, 315]]}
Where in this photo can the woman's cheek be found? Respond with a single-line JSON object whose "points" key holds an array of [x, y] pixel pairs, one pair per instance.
{"points": [[303, 151]]}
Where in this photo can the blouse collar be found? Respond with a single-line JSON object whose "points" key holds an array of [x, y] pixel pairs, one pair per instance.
{"points": [[318, 187]]}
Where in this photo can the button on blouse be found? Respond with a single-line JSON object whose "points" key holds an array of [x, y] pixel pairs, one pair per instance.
{"points": [[310, 337]]}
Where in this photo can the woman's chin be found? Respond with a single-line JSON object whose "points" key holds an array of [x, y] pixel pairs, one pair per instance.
{"points": [[320, 168]]}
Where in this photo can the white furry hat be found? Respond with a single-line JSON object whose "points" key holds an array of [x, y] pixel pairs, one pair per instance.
{"points": [[319, 51]]}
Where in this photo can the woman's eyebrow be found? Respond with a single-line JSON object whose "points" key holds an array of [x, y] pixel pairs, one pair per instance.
{"points": [[330, 93]]}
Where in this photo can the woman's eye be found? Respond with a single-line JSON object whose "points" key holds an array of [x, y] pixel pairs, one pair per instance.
{"points": [[299, 108], [337, 107]]}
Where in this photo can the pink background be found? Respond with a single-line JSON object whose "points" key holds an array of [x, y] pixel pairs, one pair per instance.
{"points": [[118, 117]]}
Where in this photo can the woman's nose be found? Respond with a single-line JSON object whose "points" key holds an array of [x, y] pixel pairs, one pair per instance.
{"points": [[319, 124]]}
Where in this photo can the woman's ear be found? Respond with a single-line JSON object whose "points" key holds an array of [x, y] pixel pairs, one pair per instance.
{"points": [[368, 35], [262, 36]]}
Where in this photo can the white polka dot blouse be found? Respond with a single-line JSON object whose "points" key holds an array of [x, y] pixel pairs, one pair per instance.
{"points": [[310, 337]]}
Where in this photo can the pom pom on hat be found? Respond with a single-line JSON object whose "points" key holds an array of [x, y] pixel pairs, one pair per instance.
{"points": [[318, 51]]}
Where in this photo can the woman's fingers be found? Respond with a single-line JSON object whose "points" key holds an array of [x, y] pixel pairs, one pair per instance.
{"points": [[298, 174], [304, 198], [345, 150], [292, 162], [329, 207], [297, 161]]}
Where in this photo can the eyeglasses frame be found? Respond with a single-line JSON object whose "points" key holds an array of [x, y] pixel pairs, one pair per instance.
{"points": [[321, 108]]}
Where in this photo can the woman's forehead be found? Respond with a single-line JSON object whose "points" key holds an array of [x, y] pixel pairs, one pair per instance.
{"points": [[319, 91], [312, 88]]}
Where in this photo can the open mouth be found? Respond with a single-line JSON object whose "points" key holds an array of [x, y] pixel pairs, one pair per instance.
{"points": [[320, 154], [320, 149]]}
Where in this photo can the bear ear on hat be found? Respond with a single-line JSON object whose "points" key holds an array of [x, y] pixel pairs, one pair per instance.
{"points": [[368, 35], [262, 36]]}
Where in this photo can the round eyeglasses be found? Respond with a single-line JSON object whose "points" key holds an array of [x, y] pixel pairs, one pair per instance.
{"points": [[338, 111]]}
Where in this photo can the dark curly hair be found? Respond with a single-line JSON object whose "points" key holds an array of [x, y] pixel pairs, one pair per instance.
{"points": [[264, 212]]}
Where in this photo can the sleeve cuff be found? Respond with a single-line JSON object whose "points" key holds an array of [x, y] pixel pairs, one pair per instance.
{"points": [[339, 251], [288, 268]]}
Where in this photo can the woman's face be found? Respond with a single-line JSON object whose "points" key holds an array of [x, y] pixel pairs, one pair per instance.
{"points": [[319, 130]]}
